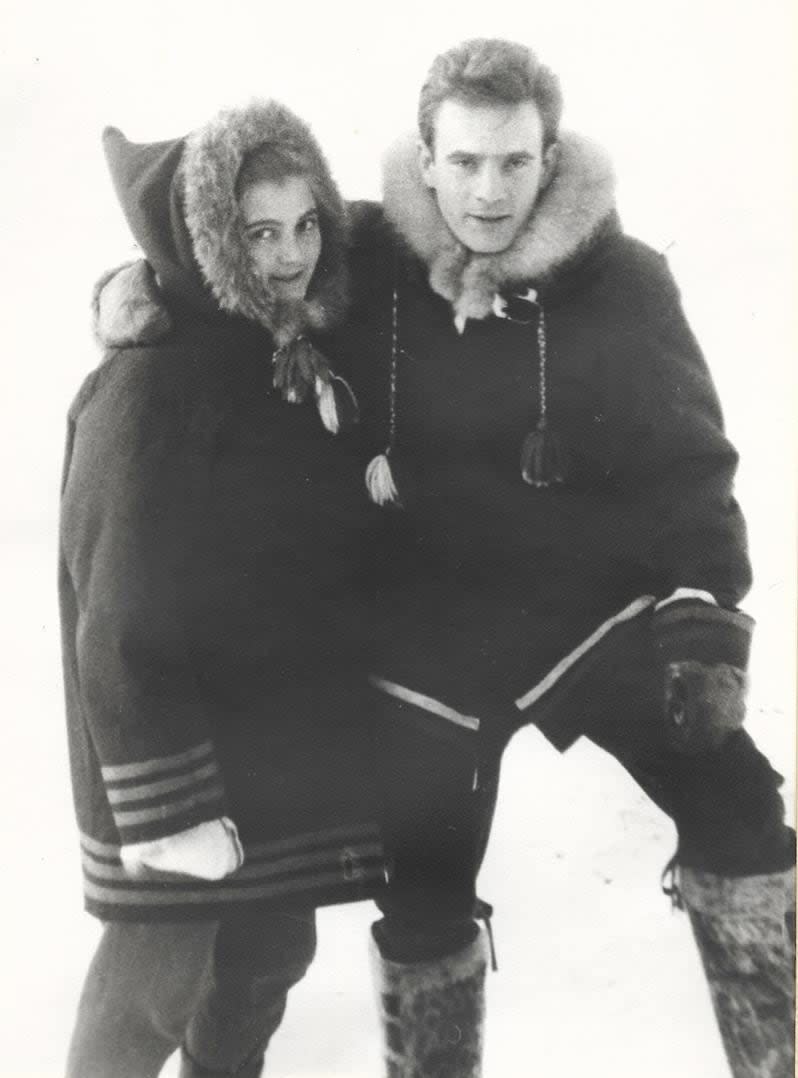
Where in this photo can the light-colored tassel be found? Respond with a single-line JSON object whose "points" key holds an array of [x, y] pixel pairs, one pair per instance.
{"points": [[325, 402], [380, 482], [336, 403]]}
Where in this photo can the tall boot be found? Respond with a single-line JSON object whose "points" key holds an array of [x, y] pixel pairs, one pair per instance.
{"points": [[189, 1068], [744, 927], [433, 1013]]}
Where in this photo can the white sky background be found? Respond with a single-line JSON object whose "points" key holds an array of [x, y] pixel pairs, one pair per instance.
{"points": [[695, 99]]}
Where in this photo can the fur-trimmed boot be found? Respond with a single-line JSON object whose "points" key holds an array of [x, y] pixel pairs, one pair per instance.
{"points": [[745, 930], [189, 1068], [433, 1013]]}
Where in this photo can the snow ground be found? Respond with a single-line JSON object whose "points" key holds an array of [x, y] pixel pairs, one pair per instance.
{"points": [[596, 974]]}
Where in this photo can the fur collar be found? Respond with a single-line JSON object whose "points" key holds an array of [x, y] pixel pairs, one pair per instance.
{"points": [[210, 164], [568, 214]]}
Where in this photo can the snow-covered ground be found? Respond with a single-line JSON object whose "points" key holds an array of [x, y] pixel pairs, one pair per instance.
{"points": [[596, 975]]}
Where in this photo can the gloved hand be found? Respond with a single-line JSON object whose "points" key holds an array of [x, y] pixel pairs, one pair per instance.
{"points": [[702, 654], [209, 851], [128, 308]]}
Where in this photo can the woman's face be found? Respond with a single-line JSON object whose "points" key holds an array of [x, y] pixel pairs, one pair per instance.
{"points": [[281, 224]]}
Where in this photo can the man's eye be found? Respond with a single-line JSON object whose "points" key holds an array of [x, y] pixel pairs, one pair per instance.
{"points": [[467, 164], [517, 162]]}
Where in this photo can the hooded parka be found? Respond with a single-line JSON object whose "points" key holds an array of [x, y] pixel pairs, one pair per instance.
{"points": [[213, 636], [495, 588]]}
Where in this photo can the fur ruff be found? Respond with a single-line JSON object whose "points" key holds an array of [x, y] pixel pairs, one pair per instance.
{"points": [[126, 308], [568, 214], [211, 161]]}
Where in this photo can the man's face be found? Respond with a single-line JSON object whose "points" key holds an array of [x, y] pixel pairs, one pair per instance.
{"points": [[487, 168]]}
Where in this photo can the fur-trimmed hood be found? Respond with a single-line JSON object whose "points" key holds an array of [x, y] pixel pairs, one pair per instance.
{"points": [[180, 201], [569, 213]]}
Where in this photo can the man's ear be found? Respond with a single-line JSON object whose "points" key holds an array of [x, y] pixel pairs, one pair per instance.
{"points": [[551, 158], [426, 163]]}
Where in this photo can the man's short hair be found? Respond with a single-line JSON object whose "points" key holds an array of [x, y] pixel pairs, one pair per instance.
{"points": [[489, 71]]}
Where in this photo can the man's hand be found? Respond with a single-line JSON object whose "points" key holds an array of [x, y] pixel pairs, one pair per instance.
{"points": [[208, 851], [703, 704], [702, 653]]}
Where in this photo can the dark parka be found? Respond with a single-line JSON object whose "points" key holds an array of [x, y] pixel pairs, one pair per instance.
{"points": [[212, 621], [492, 591]]}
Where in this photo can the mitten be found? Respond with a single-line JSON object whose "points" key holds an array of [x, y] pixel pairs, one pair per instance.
{"points": [[128, 308], [210, 851], [701, 655]]}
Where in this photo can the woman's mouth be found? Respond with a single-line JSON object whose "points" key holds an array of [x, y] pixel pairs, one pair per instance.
{"points": [[289, 278]]}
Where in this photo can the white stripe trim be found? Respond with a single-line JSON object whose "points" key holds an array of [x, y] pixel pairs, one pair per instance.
{"points": [[129, 817], [564, 665], [115, 772], [119, 794], [330, 858], [173, 896], [428, 703], [342, 835]]}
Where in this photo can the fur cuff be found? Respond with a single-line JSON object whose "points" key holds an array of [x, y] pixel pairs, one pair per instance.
{"points": [[433, 1013], [771, 896]]}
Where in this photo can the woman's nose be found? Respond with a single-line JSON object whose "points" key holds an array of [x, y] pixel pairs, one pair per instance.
{"points": [[289, 252]]}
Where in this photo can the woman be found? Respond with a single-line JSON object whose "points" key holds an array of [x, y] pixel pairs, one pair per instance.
{"points": [[211, 528]]}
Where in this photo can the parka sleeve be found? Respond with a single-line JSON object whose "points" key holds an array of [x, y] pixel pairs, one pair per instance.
{"points": [[131, 516], [672, 461]]}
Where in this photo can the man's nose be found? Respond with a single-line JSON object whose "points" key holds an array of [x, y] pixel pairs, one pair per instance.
{"points": [[489, 183]]}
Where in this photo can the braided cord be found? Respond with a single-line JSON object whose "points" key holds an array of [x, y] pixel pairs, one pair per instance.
{"points": [[394, 370], [541, 333]]}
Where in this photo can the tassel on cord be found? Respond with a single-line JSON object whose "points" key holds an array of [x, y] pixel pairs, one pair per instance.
{"points": [[336, 403], [544, 459], [380, 482]]}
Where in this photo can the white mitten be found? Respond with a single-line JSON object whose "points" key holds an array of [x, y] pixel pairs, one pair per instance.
{"points": [[209, 851]]}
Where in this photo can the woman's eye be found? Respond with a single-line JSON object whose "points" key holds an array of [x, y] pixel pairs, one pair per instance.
{"points": [[262, 235], [310, 224]]}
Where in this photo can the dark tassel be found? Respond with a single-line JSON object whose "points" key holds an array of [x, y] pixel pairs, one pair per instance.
{"points": [[297, 365], [380, 482], [543, 457]]}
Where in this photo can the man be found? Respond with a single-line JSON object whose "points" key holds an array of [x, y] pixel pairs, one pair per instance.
{"points": [[565, 549]]}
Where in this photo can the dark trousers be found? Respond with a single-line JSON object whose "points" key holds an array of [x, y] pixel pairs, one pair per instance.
{"points": [[438, 807], [218, 988], [726, 805]]}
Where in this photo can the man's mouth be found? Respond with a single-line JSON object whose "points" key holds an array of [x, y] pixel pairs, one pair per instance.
{"points": [[490, 219]]}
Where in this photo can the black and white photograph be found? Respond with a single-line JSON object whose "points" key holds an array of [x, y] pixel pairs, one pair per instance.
{"points": [[399, 539]]}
